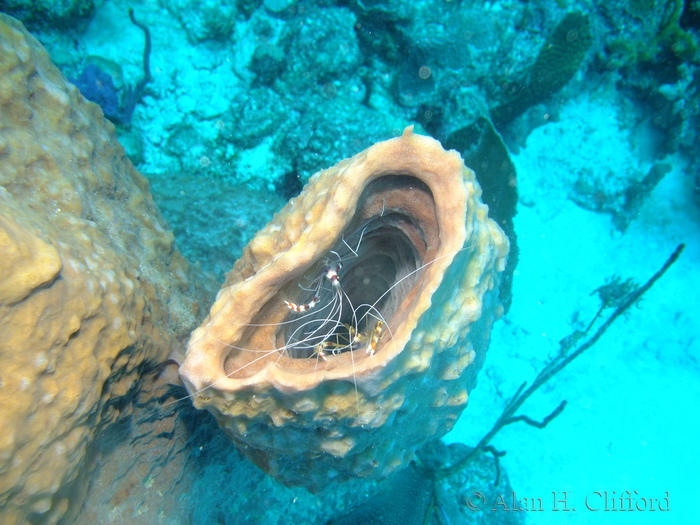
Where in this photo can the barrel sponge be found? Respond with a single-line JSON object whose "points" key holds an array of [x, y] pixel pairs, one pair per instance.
{"points": [[405, 219], [91, 286]]}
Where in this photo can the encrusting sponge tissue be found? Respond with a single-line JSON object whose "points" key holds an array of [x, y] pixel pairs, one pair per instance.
{"points": [[351, 330], [93, 292]]}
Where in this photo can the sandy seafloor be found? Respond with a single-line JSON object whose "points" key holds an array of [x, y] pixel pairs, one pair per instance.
{"points": [[633, 415]]}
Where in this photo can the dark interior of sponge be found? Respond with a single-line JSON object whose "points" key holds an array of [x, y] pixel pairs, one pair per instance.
{"points": [[369, 273]]}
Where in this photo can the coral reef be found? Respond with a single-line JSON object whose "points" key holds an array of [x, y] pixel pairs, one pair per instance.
{"points": [[202, 21], [317, 141], [382, 64], [93, 292], [558, 60], [395, 335], [210, 229], [325, 50], [49, 13], [654, 49], [255, 115]]}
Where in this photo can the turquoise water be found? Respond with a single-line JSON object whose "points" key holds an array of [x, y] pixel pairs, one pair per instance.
{"points": [[245, 100]]}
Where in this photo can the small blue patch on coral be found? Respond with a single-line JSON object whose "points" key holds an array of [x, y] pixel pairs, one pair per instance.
{"points": [[98, 87]]}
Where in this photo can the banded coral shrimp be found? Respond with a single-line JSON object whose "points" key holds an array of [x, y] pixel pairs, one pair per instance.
{"points": [[337, 342], [353, 295], [343, 324], [322, 319], [335, 314]]}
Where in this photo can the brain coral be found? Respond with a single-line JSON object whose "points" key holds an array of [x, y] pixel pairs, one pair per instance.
{"points": [[86, 271], [352, 329]]}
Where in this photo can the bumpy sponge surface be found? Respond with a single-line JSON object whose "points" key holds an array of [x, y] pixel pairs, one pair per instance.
{"points": [[307, 394], [87, 270]]}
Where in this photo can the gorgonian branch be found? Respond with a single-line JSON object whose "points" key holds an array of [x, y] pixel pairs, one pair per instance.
{"points": [[628, 295]]}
